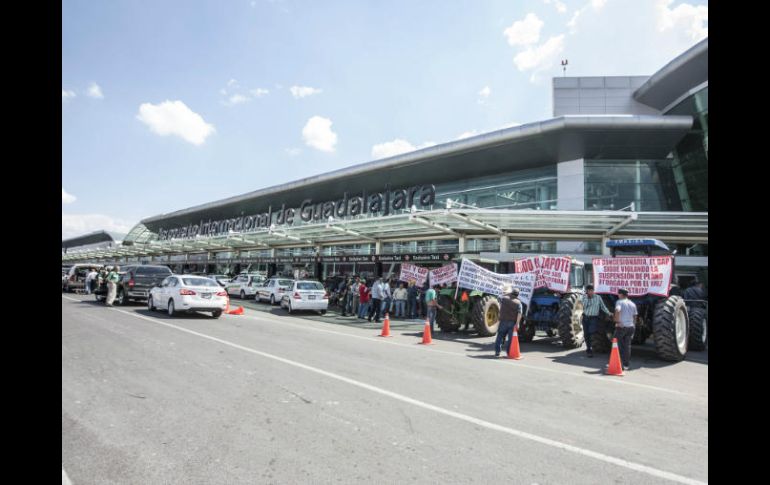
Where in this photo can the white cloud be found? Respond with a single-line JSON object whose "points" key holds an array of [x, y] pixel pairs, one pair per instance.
{"points": [[231, 83], [259, 92], [67, 198], [396, 147], [540, 58], [293, 152], [73, 225], [67, 95], [524, 32], [485, 92], [95, 91], [175, 118], [597, 4], [685, 17], [560, 7], [237, 99], [318, 134], [302, 91]]}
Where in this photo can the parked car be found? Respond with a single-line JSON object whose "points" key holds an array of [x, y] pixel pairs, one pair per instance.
{"points": [[274, 289], [306, 295], [244, 285], [188, 293], [137, 281], [222, 279], [76, 276]]}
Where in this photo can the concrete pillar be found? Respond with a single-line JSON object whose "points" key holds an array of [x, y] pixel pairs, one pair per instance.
{"points": [[570, 189], [504, 243], [605, 250], [461, 244], [378, 247]]}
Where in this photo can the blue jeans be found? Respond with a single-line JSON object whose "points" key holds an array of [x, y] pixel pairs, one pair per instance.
{"points": [[590, 324], [432, 310], [411, 308], [504, 332], [399, 311], [624, 336], [363, 310], [385, 306]]}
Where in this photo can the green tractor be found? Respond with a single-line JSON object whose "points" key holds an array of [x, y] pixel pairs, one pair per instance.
{"points": [[474, 307]]}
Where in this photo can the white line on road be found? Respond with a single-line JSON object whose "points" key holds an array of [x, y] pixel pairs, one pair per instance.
{"points": [[464, 417]]}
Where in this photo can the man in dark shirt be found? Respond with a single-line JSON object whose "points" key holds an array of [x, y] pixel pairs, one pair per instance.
{"points": [[510, 316], [695, 292]]}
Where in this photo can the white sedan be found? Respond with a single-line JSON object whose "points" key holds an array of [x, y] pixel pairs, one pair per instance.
{"points": [[306, 295], [244, 285], [188, 293]]}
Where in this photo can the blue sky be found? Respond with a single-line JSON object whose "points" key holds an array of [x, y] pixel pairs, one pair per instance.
{"points": [[170, 104]]}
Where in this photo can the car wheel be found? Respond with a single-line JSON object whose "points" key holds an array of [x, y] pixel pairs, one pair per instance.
{"points": [[322, 312], [171, 307], [150, 306], [243, 295], [121, 299], [216, 313], [272, 299]]}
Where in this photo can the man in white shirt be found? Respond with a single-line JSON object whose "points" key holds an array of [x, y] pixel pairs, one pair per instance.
{"points": [[90, 278], [625, 315]]}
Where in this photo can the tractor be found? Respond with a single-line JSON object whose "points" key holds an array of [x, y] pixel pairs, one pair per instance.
{"points": [[470, 308], [666, 318], [557, 313]]}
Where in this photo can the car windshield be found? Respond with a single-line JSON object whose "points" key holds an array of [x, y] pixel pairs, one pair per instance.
{"points": [[284, 282], [309, 285], [199, 282]]}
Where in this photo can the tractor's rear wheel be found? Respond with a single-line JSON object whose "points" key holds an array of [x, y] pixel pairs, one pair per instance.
{"points": [[486, 316], [445, 318], [669, 328], [570, 323], [699, 338], [600, 339]]}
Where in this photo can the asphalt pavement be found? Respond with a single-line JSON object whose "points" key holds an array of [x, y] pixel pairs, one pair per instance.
{"points": [[266, 397]]}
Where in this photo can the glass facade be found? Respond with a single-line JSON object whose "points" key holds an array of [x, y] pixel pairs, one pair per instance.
{"points": [[348, 250], [411, 247], [523, 189], [691, 155], [615, 184]]}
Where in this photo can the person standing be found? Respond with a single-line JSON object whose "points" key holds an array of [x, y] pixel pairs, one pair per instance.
{"points": [[510, 316], [376, 300], [387, 297], [112, 284], [399, 296], [356, 295], [592, 305], [411, 297], [625, 314], [364, 294], [347, 299], [431, 301], [695, 292], [90, 280]]}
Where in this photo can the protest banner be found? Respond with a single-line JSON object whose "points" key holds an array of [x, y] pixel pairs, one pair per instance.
{"points": [[474, 277], [411, 272], [552, 272], [640, 275], [444, 274]]}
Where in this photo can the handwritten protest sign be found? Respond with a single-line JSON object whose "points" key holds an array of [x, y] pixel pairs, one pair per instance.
{"points": [[552, 271], [474, 277], [640, 275], [444, 274], [411, 272]]}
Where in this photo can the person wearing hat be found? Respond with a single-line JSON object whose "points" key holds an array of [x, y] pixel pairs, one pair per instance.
{"points": [[625, 314], [592, 305], [510, 316]]}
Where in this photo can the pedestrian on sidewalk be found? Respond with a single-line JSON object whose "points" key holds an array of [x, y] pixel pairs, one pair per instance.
{"points": [[431, 301], [364, 294], [90, 280], [412, 294], [399, 297], [112, 284]]}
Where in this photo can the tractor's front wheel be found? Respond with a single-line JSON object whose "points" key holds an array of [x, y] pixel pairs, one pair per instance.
{"points": [[600, 339], [669, 328], [486, 316], [445, 318]]}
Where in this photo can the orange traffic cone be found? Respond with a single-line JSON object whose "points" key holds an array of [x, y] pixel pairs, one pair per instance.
{"points": [[237, 311], [513, 349], [615, 368], [426, 340], [386, 327]]}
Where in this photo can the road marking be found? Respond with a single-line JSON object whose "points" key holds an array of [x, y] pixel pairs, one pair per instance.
{"points": [[596, 378], [463, 417], [65, 480]]}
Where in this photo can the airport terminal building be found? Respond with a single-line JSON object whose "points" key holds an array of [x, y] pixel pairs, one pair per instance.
{"points": [[623, 157]]}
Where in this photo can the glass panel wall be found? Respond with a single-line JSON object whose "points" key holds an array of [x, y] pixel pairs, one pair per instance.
{"points": [[692, 152], [615, 184]]}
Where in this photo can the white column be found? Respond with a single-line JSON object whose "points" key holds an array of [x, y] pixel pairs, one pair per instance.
{"points": [[461, 244], [504, 243], [570, 189]]}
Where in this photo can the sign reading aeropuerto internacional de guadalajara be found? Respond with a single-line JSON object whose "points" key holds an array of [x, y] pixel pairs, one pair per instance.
{"points": [[366, 203]]}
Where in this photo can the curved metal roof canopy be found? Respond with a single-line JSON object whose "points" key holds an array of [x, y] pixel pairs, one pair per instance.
{"points": [[676, 78]]}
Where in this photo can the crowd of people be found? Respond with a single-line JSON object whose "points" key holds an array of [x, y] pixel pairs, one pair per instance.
{"points": [[372, 300]]}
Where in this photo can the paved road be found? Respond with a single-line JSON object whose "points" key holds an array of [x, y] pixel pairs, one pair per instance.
{"points": [[271, 398]]}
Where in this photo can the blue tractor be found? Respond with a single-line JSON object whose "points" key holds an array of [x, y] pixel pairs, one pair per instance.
{"points": [[557, 313], [665, 318]]}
